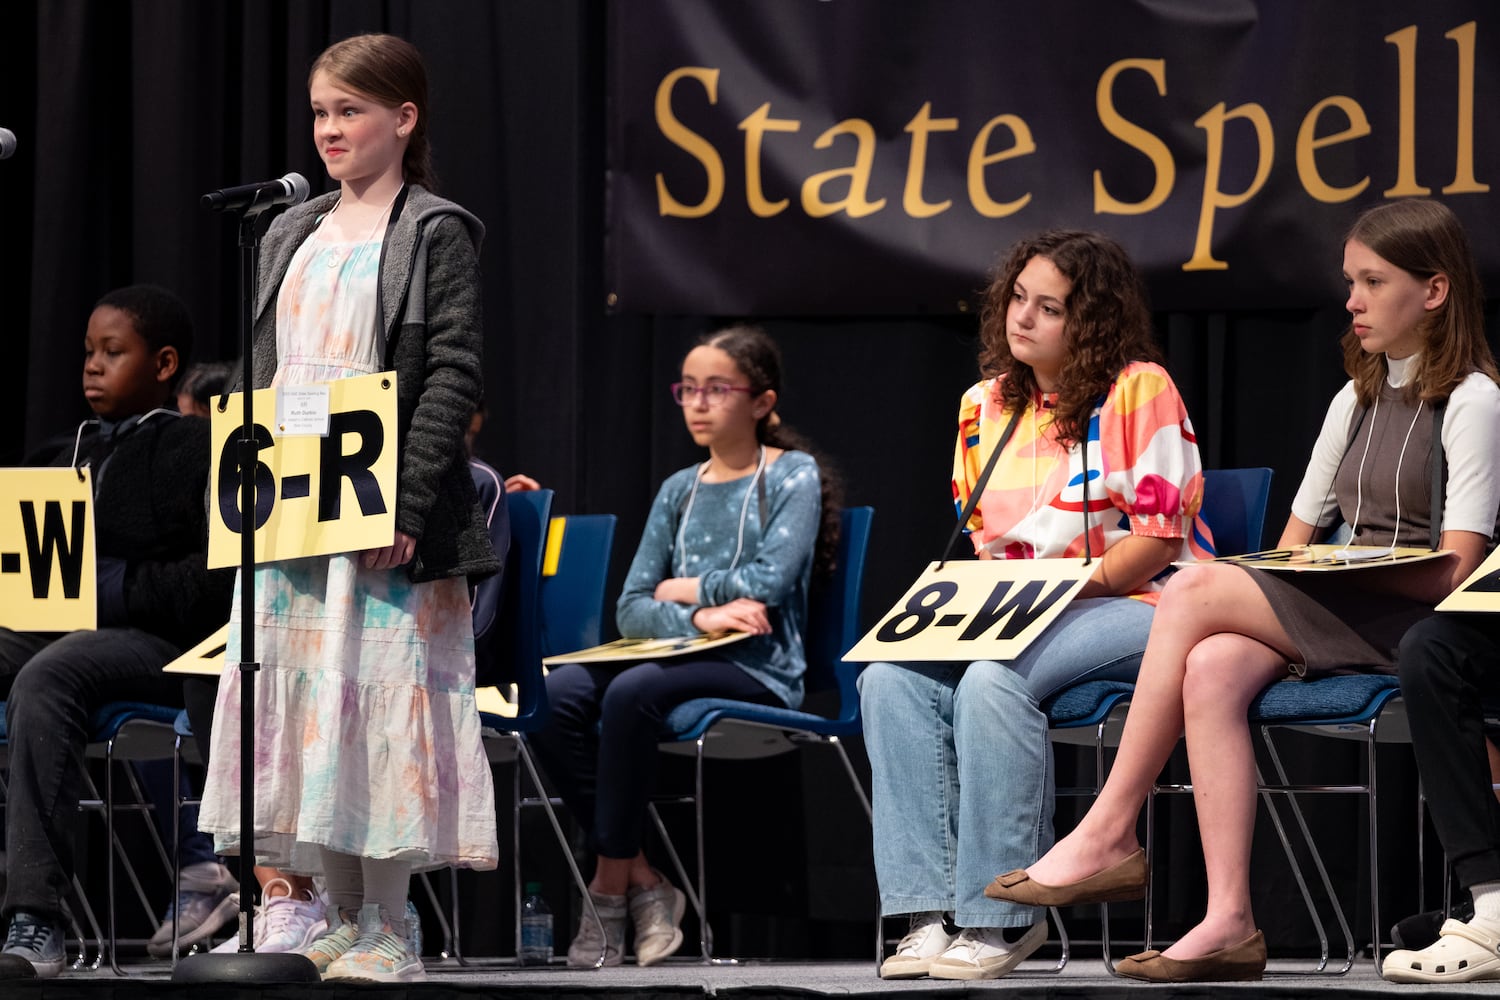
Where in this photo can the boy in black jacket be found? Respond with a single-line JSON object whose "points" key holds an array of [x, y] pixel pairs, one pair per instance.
{"points": [[155, 598]]}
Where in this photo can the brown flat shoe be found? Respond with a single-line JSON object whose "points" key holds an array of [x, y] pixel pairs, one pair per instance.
{"points": [[1121, 881], [1243, 962]]}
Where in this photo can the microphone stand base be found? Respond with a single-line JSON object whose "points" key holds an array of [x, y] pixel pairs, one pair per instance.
{"points": [[246, 967]]}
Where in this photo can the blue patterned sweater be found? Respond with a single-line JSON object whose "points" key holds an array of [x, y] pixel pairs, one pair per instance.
{"points": [[774, 564]]}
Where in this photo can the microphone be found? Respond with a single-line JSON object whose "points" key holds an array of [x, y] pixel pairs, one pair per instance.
{"points": [[289, 190], [7, 143]]}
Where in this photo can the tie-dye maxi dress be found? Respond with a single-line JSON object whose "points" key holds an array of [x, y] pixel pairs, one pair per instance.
{"points": [[367, 737]]}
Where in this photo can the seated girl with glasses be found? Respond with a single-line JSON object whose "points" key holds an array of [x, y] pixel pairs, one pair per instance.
{"points": [[1099, 456], [730, 545]]}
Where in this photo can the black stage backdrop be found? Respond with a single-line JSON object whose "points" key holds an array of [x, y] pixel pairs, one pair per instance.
{"points": [[127, 112]]}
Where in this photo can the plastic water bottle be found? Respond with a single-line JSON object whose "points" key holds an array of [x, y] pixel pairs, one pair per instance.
{"points": [[536, 927]]}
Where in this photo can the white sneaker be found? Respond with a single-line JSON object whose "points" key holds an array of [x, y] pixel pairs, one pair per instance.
{"points": [[926, 940], [584, 952], [381, 954], [284, 922], [656, 914], [983, 953]]}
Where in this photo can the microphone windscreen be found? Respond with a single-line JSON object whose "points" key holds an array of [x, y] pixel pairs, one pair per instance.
{"points": [[299, 186], [8, 144]]}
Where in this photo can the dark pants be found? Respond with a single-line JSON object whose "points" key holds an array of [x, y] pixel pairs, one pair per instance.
{"points": [[1449, 665], [51, 689], [600, 746]]}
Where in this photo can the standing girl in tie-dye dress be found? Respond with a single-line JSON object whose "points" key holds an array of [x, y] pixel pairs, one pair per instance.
{"points": [[368, 756]]}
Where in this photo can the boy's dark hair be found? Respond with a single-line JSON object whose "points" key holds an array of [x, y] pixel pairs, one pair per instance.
{"points": [[206, 380], [161, 318]]}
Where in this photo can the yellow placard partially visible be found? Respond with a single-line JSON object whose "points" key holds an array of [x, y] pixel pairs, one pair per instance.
{"points": [[491, 701], [986, 610], [647, 649], [314, 495], [1480, 592], [47, 578], [206, 658]]}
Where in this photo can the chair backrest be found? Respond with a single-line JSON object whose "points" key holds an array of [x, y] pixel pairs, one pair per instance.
{"points": [[518, 645], [575, 570], [1234, 505], [833, 614], [485, 602]]}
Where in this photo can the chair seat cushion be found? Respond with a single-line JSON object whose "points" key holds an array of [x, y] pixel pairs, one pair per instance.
{"points": [[1084, 704], [1342, 698], [108, 718], [688, 720]]}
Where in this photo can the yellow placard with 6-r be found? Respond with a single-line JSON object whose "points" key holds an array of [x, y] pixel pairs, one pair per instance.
{"points": [[986, 610], [47, 581], [315, 493]]}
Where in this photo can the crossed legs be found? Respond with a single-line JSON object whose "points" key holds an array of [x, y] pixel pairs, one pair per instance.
{"points": [[1214, 645]]}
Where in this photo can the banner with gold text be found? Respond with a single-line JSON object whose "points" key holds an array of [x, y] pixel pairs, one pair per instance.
{"points": [[799, 157], [315, 493], [47, 578]]}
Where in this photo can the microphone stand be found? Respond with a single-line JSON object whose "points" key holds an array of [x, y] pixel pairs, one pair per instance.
{"points": [[247, 965]]}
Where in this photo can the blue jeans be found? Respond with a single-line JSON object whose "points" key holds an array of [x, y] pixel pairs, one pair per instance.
{"points": [[962, 764]]}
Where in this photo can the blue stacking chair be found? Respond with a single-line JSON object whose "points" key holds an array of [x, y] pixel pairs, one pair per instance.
{"points": [[1092, 714], [119, 732], [520, 645], [575, 571], [719, 727], [1363, 707]]}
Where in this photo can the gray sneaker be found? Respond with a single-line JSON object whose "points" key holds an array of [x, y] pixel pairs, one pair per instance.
{"points": [[38, 940], [657, 915], [583, 953], [200, 915]]}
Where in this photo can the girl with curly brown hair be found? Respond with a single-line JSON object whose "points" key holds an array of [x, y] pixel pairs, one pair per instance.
{"points": [[1095, 454]]}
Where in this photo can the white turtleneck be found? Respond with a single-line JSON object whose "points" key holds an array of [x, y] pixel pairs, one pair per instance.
{"points": [[1471, 445]]}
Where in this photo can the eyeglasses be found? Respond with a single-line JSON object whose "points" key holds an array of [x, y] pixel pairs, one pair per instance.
{"points": [[715, 392]]}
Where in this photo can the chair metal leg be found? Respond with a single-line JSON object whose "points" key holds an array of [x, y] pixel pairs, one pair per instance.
{"points": [[1291, 857], [859, 789], [515, 843], [1306, 832], [1375, 924], [437, 908], [176, 847], [523, 756], [83, 942], [457, 939], [707, 934], [109, 836]]}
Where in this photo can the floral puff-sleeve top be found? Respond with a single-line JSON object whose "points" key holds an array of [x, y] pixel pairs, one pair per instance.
{"points": [[1143, 472]]}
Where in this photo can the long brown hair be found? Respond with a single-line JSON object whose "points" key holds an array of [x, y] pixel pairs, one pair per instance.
{"points": [[758, 358], [1108, 325], [389, 71], [1424, 238]]}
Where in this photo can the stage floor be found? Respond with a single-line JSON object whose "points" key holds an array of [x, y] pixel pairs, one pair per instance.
{"points": [[746, 981]]}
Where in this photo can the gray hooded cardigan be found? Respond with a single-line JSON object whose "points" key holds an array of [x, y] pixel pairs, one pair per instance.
{"points": [[432, 333]]}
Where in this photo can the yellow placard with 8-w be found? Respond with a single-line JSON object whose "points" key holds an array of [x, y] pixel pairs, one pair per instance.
{"points": [[47, 581], [986, 610], [314, 494]]}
